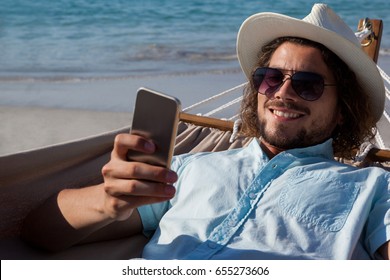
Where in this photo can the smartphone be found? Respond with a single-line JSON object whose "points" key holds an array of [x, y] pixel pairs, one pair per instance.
{"points": [[156, 117]]}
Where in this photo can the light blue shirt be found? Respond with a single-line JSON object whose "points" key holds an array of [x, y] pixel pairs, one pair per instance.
{"points": [[238, 204]]}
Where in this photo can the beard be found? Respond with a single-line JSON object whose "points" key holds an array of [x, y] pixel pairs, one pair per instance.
{"points": [[320, 131], [280, 140]]}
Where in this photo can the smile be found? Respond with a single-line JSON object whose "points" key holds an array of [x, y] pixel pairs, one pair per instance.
{"points": [[288, 115]]}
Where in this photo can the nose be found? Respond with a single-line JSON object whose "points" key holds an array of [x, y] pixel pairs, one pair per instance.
{"points": [[286, 91]]}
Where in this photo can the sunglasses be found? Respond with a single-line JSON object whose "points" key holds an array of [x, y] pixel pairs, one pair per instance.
{"points": [[307, 85]]}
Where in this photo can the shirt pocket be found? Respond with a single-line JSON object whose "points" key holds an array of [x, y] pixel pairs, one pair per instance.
{"points": [[318, 201]]}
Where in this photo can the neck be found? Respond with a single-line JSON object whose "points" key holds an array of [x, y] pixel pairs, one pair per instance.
{"points": [[269, 149]]}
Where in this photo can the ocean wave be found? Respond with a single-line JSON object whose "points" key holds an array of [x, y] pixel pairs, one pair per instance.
{"points": [[203, 63], [161, 52]]}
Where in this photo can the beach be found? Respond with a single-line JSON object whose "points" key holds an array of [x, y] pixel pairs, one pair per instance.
{"points": [[40, 114], [71, 69]]}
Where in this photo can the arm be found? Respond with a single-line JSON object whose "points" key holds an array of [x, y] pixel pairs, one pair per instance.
{"points": [[384, 250], [102, 211]]}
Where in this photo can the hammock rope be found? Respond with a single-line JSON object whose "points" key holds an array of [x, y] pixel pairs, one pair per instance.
{"points": [[213, 98]]}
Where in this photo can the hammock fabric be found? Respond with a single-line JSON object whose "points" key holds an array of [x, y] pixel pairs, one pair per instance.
{"points": [[29, 178]]}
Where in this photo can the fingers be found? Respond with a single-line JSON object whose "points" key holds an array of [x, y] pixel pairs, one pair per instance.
{"points": [[128, 185], [123, 195], [125, 142], [138, 179], [137, 188], [117, 169]]}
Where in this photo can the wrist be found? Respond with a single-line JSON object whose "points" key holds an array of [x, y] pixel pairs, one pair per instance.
{"points": [[84, 208]]}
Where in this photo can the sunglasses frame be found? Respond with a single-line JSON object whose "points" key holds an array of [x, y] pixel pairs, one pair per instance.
{"points": [[315, 96]]}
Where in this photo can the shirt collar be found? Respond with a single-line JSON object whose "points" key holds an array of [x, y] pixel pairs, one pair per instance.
{"points": [[324, 150]]}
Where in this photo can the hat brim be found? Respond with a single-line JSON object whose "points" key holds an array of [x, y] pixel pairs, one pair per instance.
{"points": [[262, 28]]}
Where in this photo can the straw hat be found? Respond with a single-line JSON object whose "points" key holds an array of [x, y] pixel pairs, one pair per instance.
{"points": [[322, 25]]}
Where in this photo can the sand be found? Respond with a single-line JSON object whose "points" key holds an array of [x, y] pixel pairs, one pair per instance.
{"points": [[38, 114], [33, 127]]}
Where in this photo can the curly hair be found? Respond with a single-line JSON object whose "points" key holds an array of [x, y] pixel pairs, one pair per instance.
{"points": [[358, 124]]}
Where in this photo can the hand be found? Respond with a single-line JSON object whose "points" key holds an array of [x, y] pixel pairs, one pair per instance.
{"points": [[128, 185]]}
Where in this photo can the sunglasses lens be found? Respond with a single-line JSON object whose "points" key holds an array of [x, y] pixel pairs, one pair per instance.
{"points": [[308, 86], [267, 80]]}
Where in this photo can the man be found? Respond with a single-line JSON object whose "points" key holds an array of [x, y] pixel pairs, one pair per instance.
{"points": [[311, 89]]}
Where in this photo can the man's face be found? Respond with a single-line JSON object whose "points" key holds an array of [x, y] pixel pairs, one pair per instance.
{"points": [[287, 121]]}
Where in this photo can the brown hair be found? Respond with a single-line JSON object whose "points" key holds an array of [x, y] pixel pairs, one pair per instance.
{"points": [[358, 124]]}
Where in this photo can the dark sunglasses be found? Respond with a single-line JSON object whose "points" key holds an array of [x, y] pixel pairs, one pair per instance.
{"points": [[307, 85]]}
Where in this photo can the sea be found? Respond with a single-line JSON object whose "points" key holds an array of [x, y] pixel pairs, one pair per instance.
{"points": [[102, 39]]}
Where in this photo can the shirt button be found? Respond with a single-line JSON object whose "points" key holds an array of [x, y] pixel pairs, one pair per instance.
{"points": [[252, 195], [232, 223], [274, 166]]}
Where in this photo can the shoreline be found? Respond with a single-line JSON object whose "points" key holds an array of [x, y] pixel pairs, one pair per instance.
{"points": [[115, 95]]}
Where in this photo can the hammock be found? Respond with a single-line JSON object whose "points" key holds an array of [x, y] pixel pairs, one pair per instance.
{"points": [[28, 178]]}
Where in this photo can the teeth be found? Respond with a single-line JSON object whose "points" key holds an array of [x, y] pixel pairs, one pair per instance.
{"points": [[286, 114]]}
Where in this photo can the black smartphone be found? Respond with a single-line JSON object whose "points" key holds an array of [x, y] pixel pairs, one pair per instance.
{"points": [[155, 116]]}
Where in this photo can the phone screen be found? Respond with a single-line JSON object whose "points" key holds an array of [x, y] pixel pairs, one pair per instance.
{"points": [[156, 117]]}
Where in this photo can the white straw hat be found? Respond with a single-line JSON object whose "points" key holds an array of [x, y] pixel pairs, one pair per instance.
{"points": [[322, 25]]}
